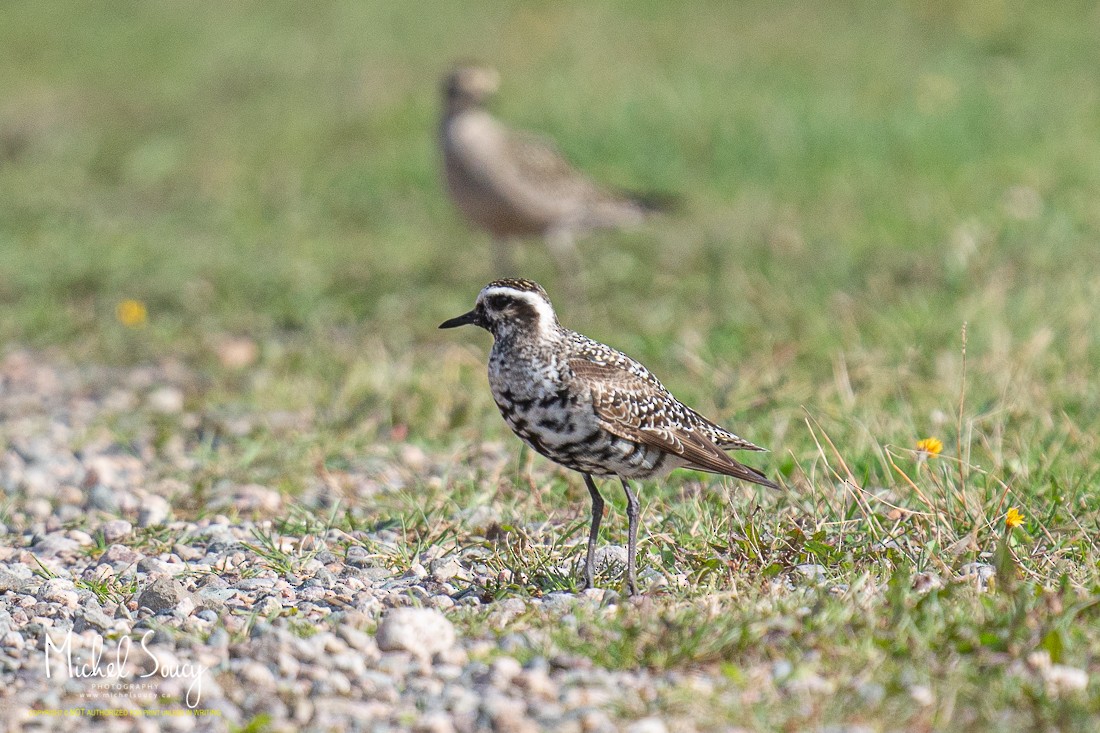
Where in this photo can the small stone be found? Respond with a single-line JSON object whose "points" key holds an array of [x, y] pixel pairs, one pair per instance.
{"points": [[184, 607], [12, 640], [415, 571], [358, 557], [357, 640], [503, 670], [155, 566], [12, 581], [647, 725], [611, 558], [237, 352], [256, 498], [258, 674], [39, 509], [154, 510], [442, 603], [81, 538], [115, 530], [446, 568], [596, 721], [104, 498], [436, 721], [120, 557], [537, 683], [558, 598], [1061, 679], [507, 715], [810, 574], [163, 594], [503, 612], [215, 599], [92, 617], [187, 553], [251, 584], [165, 400], [922, 695], [54, 544], [925, 582], [421, 631], [59, 590]]}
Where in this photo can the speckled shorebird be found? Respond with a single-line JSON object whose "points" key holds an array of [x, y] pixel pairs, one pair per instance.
{"points": [[591, 408], [515, 184]]}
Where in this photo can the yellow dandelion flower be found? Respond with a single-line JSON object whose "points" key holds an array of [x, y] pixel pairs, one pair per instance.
{"points": [[930, 446], [131, 313], [1014, 518]]}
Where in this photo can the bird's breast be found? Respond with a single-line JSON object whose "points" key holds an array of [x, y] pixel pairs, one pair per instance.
{"points": [[540, 403]]}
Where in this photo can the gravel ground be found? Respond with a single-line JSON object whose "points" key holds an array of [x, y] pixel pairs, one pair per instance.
{"points": [[92, 551]]}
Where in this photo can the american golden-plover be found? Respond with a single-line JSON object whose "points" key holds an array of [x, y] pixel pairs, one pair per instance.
{"points": [[515, 184], [591, 408]]}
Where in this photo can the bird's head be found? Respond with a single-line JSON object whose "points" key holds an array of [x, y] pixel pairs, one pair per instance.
{"points": [[509, 309], [469, 85]]}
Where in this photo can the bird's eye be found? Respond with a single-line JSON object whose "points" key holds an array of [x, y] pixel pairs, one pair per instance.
{"points": [[498, 302]]}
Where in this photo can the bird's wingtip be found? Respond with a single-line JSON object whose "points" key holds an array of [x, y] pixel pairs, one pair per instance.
{"points": [[658, 202]]}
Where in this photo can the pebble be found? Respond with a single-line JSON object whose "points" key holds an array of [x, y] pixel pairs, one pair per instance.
{"points": [[54, 544], [358, 557], [93, 617], [259, 499], [446, 568], [163, 594], [537, 684], [811, 574], [436, 721], [505, 611], [154, 510], [647, 725], [59, 590], [925, 582], [507, 714], [116, 530], [610, 559], [120, 557], [166, 400], [503, 670], [103, 498], [11, 580], [1061, 679], [422, 632]]}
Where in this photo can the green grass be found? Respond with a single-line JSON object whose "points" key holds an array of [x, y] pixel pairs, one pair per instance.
{"points": [[861, 181]]}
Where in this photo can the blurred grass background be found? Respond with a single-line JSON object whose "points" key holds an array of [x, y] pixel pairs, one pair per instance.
{"points": [[860, 179]]}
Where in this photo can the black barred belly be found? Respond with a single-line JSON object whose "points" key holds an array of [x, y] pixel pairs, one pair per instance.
{"points": [[574, 440]]}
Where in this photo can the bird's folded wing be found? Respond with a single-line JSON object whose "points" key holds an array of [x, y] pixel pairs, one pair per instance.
{"points": [[634, 409], [537, 162]]}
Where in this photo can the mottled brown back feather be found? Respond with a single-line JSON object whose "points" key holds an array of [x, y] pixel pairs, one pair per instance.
{"points": [[638, 409]]}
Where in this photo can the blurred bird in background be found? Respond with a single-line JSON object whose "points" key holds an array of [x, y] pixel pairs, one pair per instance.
{"points": [[514, 184]]}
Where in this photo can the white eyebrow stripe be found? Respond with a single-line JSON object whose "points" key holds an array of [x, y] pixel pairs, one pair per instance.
{"points": [[545, 311]]}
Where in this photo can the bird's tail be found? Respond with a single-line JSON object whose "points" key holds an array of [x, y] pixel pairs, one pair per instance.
{"points": [[627, 208], [656, 202]]}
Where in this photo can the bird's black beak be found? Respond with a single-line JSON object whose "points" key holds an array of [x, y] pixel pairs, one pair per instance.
{"points": [[464, 320]]}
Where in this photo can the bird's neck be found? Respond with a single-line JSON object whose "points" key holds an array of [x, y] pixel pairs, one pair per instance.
{"points": [[542, 336], [458, 107]]}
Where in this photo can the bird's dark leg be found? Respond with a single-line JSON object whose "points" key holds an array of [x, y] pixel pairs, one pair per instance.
{"points": [[597, 515], [631, 538]]}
